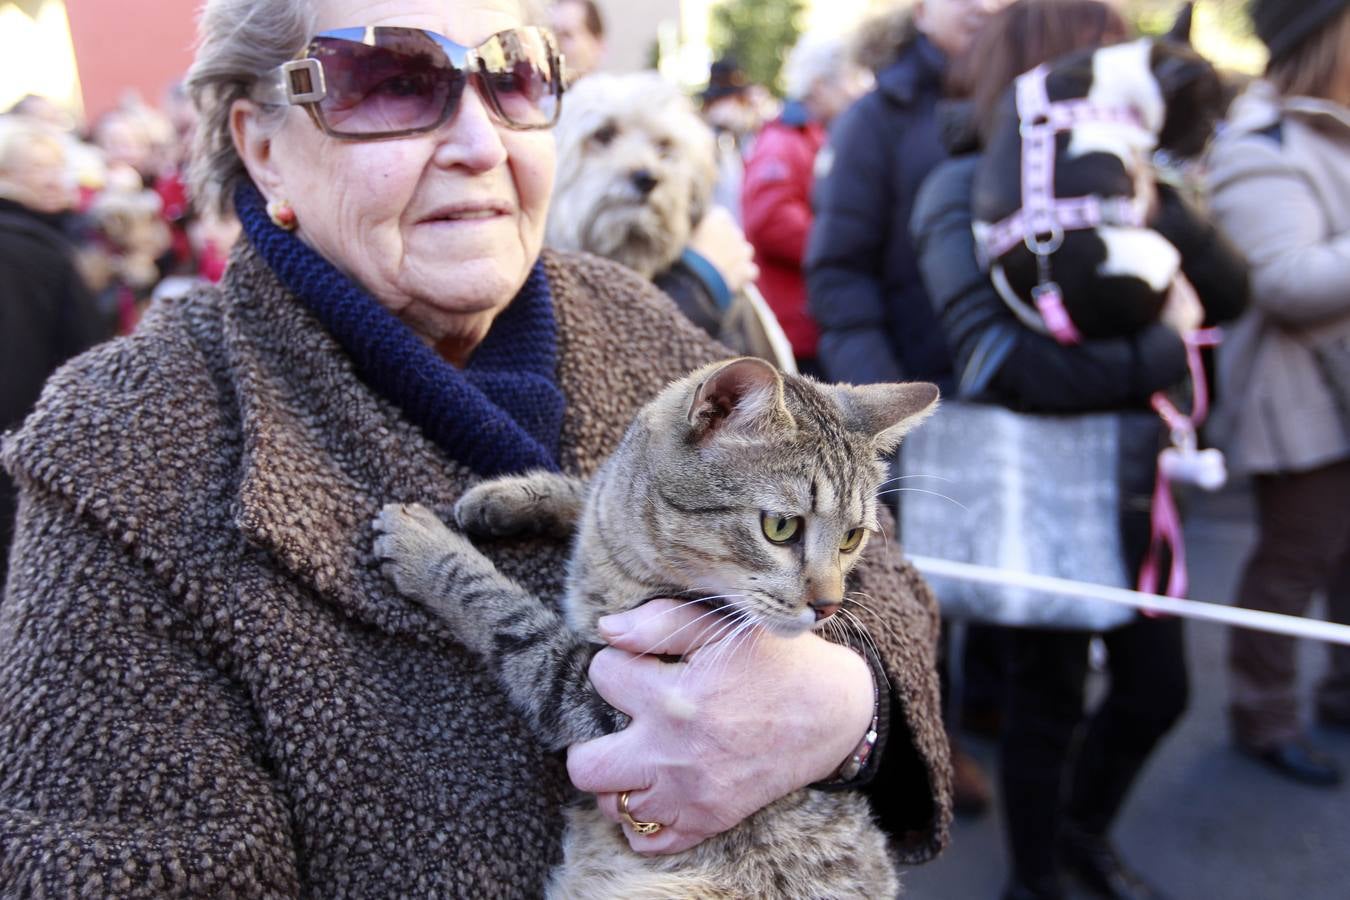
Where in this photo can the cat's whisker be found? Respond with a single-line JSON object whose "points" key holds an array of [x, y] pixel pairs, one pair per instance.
{"points": [[730, 644], [891, 630], [862, 600], [714, 636], [851, 621], [922, 491], [720, 649], [677, 607], [746, 638], [682, 628], [905, 477]]}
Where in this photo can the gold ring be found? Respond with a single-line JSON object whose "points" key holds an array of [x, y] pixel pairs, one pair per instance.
{"points": [[646, 829]]}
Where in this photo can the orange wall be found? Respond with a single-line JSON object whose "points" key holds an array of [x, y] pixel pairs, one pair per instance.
{"points": [[121, 45]]}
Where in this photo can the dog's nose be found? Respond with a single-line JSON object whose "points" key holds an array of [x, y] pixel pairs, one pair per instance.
{"points": [[644, 181]]}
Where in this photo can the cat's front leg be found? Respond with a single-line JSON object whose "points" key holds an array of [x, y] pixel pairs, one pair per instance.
{"points": [[438, 568], [542, 663], [535, 503]]}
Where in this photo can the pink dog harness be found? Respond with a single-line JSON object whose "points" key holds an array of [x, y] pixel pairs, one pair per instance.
{"points": [[1043, 219]]}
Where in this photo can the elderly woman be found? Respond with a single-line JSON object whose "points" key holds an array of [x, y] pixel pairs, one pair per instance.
{"points": [[208, 689]]}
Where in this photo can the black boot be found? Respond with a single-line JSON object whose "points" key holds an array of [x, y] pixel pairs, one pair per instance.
{"points": [[1093, 860]]}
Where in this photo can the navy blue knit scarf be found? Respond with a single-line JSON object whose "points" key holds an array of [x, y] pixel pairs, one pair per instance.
{"points": [[501, 414]]}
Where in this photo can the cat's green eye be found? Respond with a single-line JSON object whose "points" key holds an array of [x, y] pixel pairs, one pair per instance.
{"points": [[851, 541], [781, 529]]}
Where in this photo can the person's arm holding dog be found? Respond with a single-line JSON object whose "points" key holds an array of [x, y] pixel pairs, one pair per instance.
{"points": [[1043, 374], [1210, 262], [720, 241]]}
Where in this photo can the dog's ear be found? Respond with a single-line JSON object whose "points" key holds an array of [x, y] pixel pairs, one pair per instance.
{"points": [[1195, 97], [1180, 32], [1177, 67]]}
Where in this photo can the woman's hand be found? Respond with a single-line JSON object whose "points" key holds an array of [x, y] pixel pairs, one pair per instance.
{"points": [[1182, 312], [739, 722], [720, 241]]}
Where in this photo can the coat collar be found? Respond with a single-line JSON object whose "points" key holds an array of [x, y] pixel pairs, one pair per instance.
{"points": [[323, 453], [1261, 106], [232, 421], [918, 71]]}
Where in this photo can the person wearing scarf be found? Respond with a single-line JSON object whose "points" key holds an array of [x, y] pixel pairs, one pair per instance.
{"points": [[208, 687]]}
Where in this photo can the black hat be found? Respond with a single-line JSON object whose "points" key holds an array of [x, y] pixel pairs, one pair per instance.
{"points": [[1284, 24], [725, 78]]}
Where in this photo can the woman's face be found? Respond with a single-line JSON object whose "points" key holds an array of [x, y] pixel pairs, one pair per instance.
{"points": [[952, 24], [442, 228]]}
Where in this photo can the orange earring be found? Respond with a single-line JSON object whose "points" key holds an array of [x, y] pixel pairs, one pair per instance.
{"points": [[282, 215]]}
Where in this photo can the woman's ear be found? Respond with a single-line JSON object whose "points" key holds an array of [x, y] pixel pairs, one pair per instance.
{"points": [[253, 143]]}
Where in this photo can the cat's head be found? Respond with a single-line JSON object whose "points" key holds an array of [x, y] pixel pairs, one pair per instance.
{"points": [[762, 489]]}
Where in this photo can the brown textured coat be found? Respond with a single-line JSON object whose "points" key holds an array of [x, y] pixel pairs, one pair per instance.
{"points": [[206, 688]]}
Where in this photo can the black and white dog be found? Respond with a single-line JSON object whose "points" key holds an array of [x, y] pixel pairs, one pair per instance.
{"points": [[1080, 235]]}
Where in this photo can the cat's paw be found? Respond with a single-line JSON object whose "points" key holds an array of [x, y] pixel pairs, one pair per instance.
{"points": [[410, 544], [502, 507]]}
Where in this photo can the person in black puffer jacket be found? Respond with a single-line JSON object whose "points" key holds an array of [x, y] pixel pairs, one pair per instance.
{"points": [[1059, 805], [863, 285]]}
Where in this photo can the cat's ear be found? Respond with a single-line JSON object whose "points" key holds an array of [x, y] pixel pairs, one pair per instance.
{"points": [[886, 411], [743, 396]]}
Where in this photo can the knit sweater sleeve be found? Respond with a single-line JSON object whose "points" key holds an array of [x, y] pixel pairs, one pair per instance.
{"points": [[129, 764]]}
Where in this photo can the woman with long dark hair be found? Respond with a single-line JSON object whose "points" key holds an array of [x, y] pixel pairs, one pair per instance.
{"points": [[1065, 773]]}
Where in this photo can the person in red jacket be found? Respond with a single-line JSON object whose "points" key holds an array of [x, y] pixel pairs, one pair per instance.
{"points": [[822, 82]]}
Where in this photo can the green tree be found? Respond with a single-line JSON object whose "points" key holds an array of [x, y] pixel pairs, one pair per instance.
{"points": [[1156, 16], [758, 33]]}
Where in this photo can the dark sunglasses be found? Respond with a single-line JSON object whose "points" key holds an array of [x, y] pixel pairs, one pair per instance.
{"points": [[386, 82]]}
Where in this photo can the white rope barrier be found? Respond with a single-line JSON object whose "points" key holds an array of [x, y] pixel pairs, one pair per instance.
{"points": [[1293, 626]]}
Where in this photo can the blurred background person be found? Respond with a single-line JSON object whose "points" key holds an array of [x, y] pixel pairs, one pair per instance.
{"points": [[636, 174], [47, 314], [1065, 774], [732, 109], [1280, 184], [822, 81], [580, 30], [862, 278]]}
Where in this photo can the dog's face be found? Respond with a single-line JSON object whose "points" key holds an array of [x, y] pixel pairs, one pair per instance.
{"points": [[1193, 93], [636, 169]]}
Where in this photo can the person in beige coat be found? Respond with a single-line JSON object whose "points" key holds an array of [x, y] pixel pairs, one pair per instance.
{"points": [[207, 688], [1280, 186]]}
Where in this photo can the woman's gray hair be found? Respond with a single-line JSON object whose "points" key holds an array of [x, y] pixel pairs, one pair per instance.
{"points": [[238, 41], [814, 59]]}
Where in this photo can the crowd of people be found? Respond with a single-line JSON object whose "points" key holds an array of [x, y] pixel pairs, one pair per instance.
{"points": [[188, 510]]}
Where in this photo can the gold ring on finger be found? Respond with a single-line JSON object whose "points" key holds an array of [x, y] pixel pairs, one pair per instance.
{"points": [[646, 829]]}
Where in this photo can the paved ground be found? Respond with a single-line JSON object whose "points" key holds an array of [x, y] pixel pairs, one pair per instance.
{"points": [[1204, 822]]}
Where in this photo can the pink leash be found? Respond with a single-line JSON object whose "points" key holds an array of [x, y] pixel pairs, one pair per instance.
{"points": [[1181, 459]]}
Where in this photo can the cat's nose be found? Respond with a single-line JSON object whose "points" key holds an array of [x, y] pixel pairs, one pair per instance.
{"points": [[824, 608]]}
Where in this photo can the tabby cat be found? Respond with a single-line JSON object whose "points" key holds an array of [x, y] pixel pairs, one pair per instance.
{"points": [[770, 481]]}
